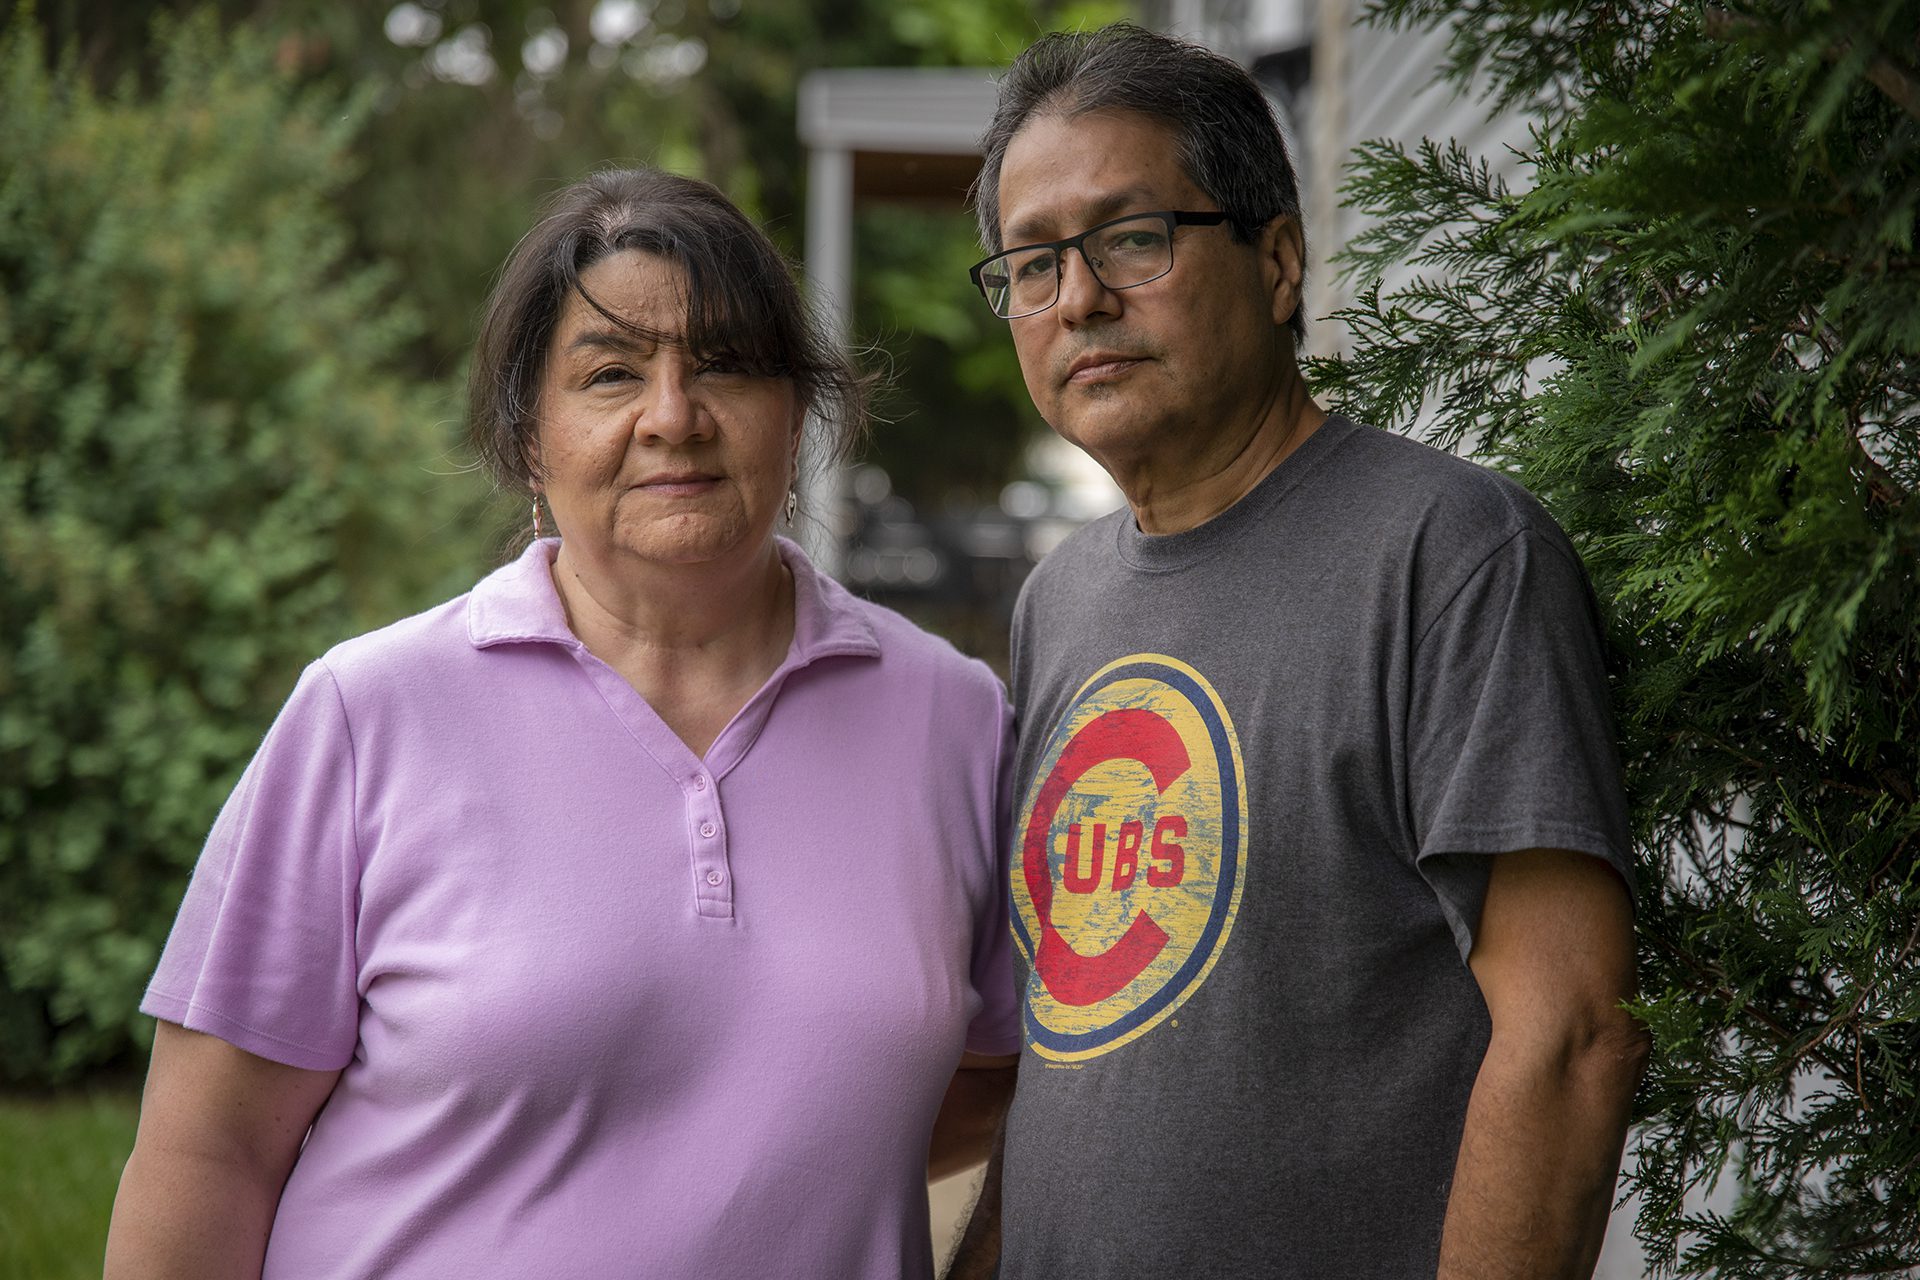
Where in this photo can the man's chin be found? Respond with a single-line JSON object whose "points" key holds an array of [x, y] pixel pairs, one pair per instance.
{"points": [[1111, 439]]}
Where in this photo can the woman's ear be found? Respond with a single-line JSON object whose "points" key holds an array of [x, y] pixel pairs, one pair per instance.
{"points": [[530, 455]]}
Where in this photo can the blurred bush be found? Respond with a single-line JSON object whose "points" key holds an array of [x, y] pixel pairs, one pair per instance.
{"points": [[210, 470]]}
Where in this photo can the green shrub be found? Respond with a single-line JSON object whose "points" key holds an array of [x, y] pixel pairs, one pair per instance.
{"points": [[60, 1163], [208, 474], [1697, 336]]}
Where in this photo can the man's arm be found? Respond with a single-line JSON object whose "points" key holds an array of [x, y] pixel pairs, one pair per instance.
{"points": [[970, 1114], [219, 1131], [1534, 1180]]}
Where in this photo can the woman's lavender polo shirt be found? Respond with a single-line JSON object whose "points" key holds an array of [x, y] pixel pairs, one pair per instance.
{"points": [[605, 1008]]}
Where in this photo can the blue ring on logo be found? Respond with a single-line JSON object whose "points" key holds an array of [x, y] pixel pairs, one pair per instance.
{"points": [[1149, 1008]]}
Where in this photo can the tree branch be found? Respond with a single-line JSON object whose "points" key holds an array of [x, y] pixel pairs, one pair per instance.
{"points": [[1882, 71]]}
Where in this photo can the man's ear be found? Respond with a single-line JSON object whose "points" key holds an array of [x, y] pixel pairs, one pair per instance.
{"points": [[1283, 260]]}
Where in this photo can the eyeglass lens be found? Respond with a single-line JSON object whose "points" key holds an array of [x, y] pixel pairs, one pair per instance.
{"points": [[1120, 256]]}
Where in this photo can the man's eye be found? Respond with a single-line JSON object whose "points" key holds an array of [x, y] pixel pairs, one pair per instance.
{"points": [[1138, 242], [1040, 264]]}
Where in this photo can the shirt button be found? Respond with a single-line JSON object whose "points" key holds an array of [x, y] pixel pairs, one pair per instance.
{"points": [[714, 877], [706, 829], [700, 782]]}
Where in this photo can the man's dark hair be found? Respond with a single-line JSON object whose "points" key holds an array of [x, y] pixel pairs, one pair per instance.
{"points": [[1229, 142], [742, 307]]}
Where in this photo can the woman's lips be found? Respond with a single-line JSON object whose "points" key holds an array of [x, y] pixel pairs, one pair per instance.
{"points": [[678, 486]]}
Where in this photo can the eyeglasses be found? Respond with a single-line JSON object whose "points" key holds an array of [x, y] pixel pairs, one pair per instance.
{"points": [[1122, 253]]}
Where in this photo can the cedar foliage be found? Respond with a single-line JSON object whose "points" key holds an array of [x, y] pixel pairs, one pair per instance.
{"points": [[1695, 334], [208, 474]]}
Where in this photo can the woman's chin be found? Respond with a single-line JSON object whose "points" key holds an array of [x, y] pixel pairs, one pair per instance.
{"points": [[689, 540]]}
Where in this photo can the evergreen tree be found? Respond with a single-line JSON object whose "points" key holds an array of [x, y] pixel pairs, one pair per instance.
{"points": [[1695, 333], [208, 473]]}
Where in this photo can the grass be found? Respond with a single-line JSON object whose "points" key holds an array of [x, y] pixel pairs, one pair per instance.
{"points": [[60, 1160]]}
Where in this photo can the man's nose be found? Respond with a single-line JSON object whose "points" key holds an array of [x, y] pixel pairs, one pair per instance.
{"points": [[1082, 296]]}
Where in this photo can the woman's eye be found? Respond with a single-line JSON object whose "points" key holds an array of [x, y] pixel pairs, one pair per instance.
{"points": [[612, 373], [720, 366]]}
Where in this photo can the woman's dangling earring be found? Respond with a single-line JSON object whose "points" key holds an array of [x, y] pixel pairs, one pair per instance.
{"points": [[793, 504], [536, 517]]}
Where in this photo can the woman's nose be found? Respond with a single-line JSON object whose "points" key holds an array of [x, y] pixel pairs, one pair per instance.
{"points": [[674, 412]]}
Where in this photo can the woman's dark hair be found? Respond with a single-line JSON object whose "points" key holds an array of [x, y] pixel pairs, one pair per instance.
{"points": [[742, 306], [1230, 145]]}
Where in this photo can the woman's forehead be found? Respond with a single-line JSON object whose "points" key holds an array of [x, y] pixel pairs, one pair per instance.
{"points": [[641, 289]]}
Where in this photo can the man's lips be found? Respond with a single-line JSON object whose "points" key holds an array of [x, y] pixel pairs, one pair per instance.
{"points": [[1097, 366]]}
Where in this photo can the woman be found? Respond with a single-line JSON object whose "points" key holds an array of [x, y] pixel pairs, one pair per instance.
{"points": [[631, 914]]}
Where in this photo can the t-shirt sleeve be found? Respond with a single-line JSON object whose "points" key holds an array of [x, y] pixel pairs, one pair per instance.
{"points": [[1510, 743], [262, 952], [995, 1030]]}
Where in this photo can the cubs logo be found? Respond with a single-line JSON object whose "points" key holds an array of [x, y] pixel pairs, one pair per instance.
{"points": [[1131, 857]]}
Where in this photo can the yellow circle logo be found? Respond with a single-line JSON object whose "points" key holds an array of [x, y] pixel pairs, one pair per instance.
{"points": [[1132, 856]]}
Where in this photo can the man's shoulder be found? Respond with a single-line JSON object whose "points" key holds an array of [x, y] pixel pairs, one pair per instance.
{"points": [[1390, 487], [1079, 558], [1408, 474]]}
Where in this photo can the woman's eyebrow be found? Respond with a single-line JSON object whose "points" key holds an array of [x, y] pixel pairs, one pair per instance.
{"points": [[609, 340]]}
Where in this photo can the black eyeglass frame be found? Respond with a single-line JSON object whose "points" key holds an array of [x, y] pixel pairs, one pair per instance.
{"points": [[1172, 217]]}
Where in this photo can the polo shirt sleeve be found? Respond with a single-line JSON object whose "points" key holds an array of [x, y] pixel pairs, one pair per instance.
{"points": [[995, 1030], [1510, 742], [262, 952]]}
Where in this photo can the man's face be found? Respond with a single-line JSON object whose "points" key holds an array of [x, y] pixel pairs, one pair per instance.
{"points": [[1164, 369]]}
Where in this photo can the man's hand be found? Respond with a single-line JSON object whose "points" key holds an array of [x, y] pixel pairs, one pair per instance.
{"points": [[978, 1257], [1534, 1180], [970, 1114], [969, 1128]]}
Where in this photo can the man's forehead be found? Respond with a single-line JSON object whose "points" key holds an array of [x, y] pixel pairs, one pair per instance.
{"points": [[1063, 173], [1049, 219]]}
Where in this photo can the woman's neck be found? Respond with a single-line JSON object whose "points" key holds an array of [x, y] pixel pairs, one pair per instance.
{"points": [[696, 641]]}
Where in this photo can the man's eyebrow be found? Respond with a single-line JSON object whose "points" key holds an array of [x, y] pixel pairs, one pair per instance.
{"points": [[1027, 230]]}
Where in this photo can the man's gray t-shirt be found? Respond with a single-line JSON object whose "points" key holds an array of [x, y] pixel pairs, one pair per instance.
{"points": [[1260, 761]]}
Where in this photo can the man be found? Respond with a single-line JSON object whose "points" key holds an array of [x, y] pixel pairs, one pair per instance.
{"points": [[1320, 868]]}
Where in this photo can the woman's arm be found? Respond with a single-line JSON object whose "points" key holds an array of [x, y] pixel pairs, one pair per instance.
{"points": [[219, 1130]]}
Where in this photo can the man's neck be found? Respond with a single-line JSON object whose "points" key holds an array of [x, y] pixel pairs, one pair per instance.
{"points": [[1174, 494]]}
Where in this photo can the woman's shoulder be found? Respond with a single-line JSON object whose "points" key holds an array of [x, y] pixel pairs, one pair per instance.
{"points": [[402, 653], [908, 643], [831, 615], [913, 661]]}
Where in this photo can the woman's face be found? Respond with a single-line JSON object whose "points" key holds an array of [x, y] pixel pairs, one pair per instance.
{"points": [[648, 453]]}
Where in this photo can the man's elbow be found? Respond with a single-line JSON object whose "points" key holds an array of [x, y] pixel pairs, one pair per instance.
{"points": [[1606, 1053], [1599, 1050]]}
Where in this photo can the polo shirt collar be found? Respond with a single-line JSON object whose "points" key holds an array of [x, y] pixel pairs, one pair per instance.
{"points": [[517, 604]]}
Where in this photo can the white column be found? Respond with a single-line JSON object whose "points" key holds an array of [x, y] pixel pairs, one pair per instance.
{"points": [[829, 266], [1327, 147]]}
